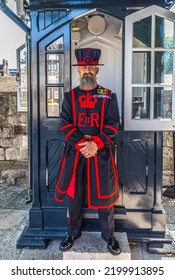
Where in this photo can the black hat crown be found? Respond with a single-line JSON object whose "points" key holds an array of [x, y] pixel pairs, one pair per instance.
{"points": [[87, 56]]}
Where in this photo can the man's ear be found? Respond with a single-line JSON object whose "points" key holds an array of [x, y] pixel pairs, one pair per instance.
{"points": [[78, 69], [97, 70]]}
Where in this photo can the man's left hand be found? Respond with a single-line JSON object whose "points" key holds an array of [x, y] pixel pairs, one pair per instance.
{"points": [[89, 149]]}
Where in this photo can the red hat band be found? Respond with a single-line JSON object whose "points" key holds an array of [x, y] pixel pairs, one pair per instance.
{"points": [[87, 56], [88, 61]]}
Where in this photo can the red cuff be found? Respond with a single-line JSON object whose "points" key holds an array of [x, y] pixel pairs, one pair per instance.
{"points": [[79, 147], [99, 142]]}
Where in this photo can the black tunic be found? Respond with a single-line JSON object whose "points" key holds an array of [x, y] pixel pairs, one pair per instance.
{"points": [[89, 115]]}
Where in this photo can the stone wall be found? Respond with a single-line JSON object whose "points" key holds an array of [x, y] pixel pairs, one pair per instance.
{"points": [[13, 146], [168, 159]]}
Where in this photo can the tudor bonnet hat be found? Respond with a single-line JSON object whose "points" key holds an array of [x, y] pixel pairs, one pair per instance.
{"points": [[87, 57]]}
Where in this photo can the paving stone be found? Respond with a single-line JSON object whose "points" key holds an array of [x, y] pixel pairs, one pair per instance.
{"points": [[172, 233], [8, 239], [52, 252], [136, 251], [168, 258], [13, 219], [13, 197], [12, 224], [169, 210]]}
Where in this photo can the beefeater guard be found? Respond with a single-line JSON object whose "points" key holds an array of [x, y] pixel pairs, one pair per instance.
{"points": [[90, 120]]}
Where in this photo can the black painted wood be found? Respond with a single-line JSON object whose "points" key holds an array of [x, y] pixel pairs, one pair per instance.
{"points": [[34, 4]]}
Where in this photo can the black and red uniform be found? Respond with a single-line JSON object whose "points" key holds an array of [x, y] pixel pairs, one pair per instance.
{"points": [[89, 115]]}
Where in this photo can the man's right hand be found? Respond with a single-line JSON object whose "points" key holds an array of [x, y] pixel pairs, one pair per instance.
{"points": [[89, 149]]}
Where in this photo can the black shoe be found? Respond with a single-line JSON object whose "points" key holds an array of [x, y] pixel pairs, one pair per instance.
{"points": [[113, 245], [68, 241]]}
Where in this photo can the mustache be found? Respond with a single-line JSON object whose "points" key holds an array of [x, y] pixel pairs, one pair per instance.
{"points": [[88, 75], [88, 80]]}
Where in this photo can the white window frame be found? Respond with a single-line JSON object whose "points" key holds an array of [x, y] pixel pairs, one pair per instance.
{"points": [[131, 124], [21, 109]]}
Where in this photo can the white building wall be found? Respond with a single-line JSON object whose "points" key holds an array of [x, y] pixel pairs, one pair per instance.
{"points": [[11, 37]]}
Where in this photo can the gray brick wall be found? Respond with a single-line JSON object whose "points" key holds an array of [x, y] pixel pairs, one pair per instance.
{"points": [[13, 147], [168, 159]]}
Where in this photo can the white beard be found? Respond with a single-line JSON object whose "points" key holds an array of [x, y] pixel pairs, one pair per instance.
{"points": [[87, 81]]}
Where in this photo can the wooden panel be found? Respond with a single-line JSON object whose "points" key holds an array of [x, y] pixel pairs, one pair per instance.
{"points": [[54, 150], [45, 19], [138, 171], [137, 167], [51, 138]]}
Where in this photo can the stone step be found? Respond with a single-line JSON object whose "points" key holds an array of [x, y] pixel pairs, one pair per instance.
{"points": [[92, 247]]}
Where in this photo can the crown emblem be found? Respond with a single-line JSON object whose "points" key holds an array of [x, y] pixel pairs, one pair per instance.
{"points": [[87, 101]]}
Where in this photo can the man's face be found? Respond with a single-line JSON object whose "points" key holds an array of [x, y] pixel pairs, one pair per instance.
{"points": [[88, 69], [88, 77]]}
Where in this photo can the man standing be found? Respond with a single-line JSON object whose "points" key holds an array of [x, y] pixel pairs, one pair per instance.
{"points": [[90, 120]]}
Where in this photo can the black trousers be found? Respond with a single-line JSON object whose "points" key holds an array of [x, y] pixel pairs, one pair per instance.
{"points": [[106, 215]]}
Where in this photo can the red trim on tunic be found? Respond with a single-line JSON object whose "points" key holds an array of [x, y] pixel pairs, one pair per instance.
{"points": [[88, 181], [99, 142], [102, 114], [102, 111], [112, 128], [71, 186], [61, 173], [113, 166], [73, 106], [66, 126], [70, 132], [97, 176], [109, 140], [58, 200], [105, 206], [115, 173], [80, 147]]}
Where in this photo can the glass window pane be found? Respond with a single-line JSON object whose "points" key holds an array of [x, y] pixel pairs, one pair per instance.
{"points": [[163, 103], [22, 99], [55, 68], [54, 101], [23, 75], [140, 103], [23, 55], [142, 33], [22, 82], [56, 45], [141, 67], [164, 33], [163, 67]]}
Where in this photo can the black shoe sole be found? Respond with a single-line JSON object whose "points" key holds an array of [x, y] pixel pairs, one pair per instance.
{"points": [[64, 249], [114, 253]]}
